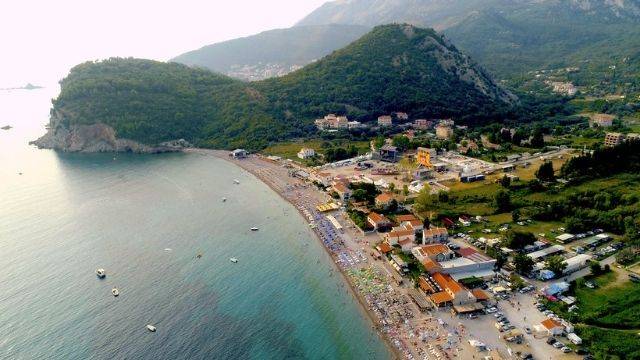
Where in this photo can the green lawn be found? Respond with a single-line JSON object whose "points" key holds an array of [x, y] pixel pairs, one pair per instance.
{"points": [[289, 150]]}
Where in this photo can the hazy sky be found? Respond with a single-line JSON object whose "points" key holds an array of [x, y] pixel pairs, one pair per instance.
{"points": [[41, 40]]}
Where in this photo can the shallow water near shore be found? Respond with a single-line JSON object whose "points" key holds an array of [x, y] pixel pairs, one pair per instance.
{"points": [[144, 218]]}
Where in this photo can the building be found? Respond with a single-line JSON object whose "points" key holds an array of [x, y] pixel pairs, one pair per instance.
{"points": [[422, 124], [444, 132], [613, 139], [576, 263], [238, 154], [389, 153], [397, 235], [602, 120], [399, 264], [306, 153], [410, 222], [384, 200], [424, 156], [541, 254], [378, 221], [565, 238], [402, 116], [343, 191], [431, 255], [451, 292], [550, 327], [352, 125], [435, 235], [332, 121], [470, 264], [385, 120]]}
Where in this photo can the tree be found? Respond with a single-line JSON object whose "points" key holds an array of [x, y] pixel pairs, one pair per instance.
{"points": [[523, 263], [626, 256], [359, 195], [518, 240], [405, 190], [545, 172], [595, 267], [401, 142], [515, 215], [502, 201], [537, 139], [392, 187], [505, 182], [378, 142], [424, 201], [556, 264]]}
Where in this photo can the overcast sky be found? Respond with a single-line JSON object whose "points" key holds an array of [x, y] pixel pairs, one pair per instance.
{"points": [[41, 40]]}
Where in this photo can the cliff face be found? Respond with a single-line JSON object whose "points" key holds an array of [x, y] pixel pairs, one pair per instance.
{"points": [[96, 138]]}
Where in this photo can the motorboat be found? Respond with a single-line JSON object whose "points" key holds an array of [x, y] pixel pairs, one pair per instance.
{"points": [[151, 328], [100, 273], [254, 229], [224, 199], [115, 292], [236, 181], [233, 260]]}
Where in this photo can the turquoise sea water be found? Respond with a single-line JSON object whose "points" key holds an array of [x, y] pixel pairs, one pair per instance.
{"points": [[68, 214]]}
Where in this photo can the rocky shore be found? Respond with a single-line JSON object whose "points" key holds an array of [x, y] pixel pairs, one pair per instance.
{"points": [[98, 138]]}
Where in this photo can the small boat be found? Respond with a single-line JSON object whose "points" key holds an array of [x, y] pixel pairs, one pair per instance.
{"points": [[100, 273], [151, 328], [236, 181], [199, 256], [254, 229], [167, 249], [115, 292], [233, 260], [224, 199]]}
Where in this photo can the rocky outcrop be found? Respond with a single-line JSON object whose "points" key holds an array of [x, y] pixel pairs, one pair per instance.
{"points": [[97, 138]]}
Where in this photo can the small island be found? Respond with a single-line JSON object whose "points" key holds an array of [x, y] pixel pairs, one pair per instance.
{"points": [[6, 127], [29, 86]]}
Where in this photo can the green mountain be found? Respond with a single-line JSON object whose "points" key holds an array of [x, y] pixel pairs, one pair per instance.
{"points": [[511, 37], [392, 68], [272, 53]]}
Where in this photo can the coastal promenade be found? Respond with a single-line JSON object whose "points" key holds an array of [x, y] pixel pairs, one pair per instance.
{"points": [[409, 333]]}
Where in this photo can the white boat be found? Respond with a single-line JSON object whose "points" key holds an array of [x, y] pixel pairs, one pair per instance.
{"points": [[224, 199], [236, 181], [100, 273], [151, 328], [254, 229], [115, 292], [233, 260]]}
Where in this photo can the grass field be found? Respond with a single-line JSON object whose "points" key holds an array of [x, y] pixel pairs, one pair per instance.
{"points": [[289, 150]]}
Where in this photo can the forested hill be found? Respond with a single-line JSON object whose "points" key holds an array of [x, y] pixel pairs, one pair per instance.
{"points": [[392, 68], [511, 37], [273, 52]]}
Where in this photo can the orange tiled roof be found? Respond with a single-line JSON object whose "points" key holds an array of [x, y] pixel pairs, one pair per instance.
{"points": [[403, 218], [405, 240], [433, 249], [384, 198], [430, 265], [339, 187], [441, 297], [425, 286], [384, 247], [480, 294], [435, 231], [377, 218], [550, 324], [399, 233], [445, 281]]}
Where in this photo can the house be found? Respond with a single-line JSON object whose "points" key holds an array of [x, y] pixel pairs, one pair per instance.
{"points": [[406, 244], [602, 120], [403, 116], [306, 153], [424, 156], [378, 221], [435, 235], [471, 263], [452, 292], [384, 248], [352, 125], [395, 236], [551, 327], [385, 120], [343, 191], [384, 200], [422, 124], [432, 252], [444, 132], [471, 177], [389, 153], [332, 121], [238, 154]]}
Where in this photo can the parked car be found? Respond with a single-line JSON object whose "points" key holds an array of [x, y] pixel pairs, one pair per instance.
{"points": [[551, 340], [558, 345], [566, 349]]}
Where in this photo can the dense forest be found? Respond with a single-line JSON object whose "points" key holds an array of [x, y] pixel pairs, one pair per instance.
{"points": [[392, 68]]}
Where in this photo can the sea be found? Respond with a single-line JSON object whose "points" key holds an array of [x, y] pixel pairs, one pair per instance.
{"points": [[145, 219]]}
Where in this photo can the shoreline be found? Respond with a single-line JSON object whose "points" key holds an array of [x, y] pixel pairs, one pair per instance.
{"points": [[223, 155]]}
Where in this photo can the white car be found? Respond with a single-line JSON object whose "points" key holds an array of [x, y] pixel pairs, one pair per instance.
{"points": [[491, 310]]}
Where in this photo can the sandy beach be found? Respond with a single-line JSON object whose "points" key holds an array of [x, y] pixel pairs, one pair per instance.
{"points": [[408, 332]]}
